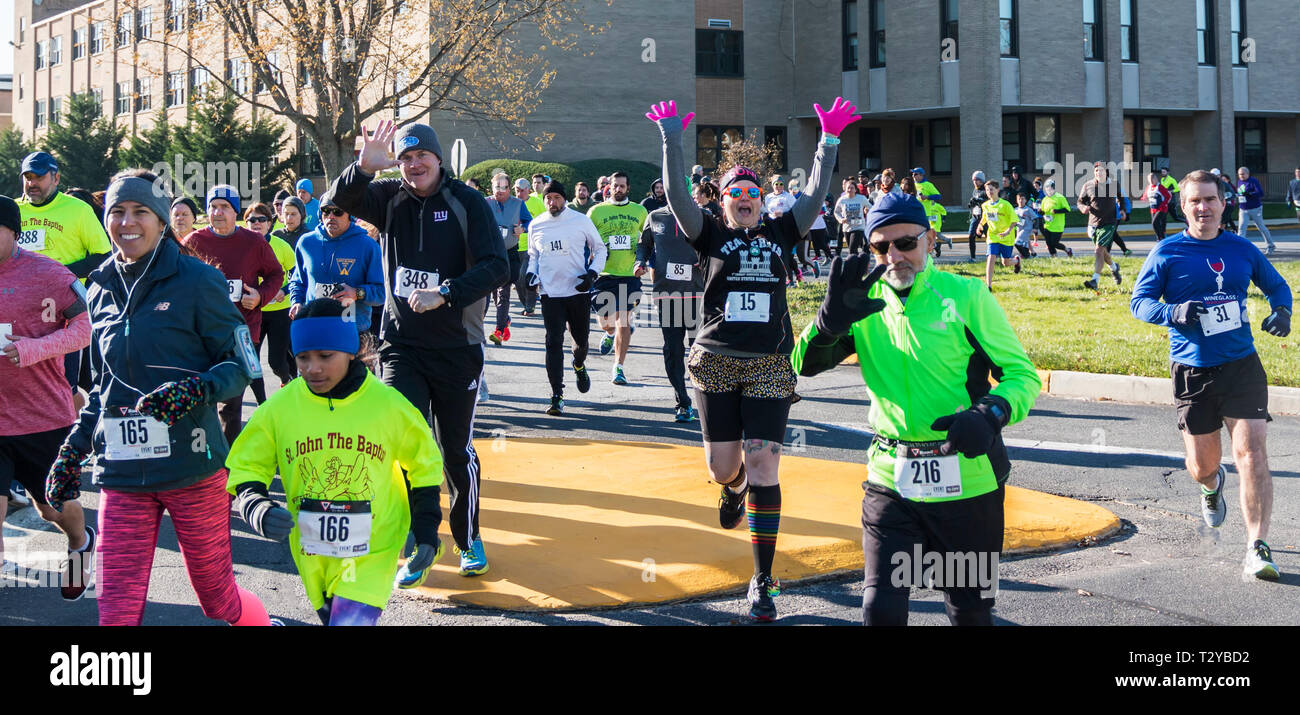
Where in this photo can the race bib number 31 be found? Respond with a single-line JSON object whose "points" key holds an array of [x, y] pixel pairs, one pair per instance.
{"points": [[135, 437], [748, 307], [924, 474], [334, 528], [1222, 318], [32, 239], [410, 280]]}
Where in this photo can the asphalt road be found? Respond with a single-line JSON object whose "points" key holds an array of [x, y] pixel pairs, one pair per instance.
{"points": [[1164, 567]]}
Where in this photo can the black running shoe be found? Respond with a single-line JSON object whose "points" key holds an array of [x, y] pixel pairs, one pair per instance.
{"points": [[1090, 284], [584, 380], [762, 607], [731, 507], [557, 406]]}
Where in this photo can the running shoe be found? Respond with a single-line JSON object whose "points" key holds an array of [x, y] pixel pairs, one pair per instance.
{"points": [[584, 380], [557, 406], [1115, 273], [1090, 284], [79, 569], [1069, 252], [1213, 507], [1017, 266], [18, 496], [761, 606], [528, 312], [1127, 253], [731, 507], [794, 397], [505, 334], [473, 562], [686, 414], [947, 241], [1270, 251], [406, 579], [1259, 562], [618, 378], [817, 270], [497, 336], [606, 344]]}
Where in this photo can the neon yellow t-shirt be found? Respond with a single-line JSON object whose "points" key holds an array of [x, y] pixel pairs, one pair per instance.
{"points": [[285, 255], [347, 450], [619, 226], [536, 207], [1054, 209], [64, 229], [998, 216]]}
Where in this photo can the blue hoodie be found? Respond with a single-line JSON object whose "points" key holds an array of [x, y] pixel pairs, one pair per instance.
{"points": [[352, 259], [311, 219]]}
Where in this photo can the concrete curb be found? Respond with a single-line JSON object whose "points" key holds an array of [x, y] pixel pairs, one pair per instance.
{"points": [[1150, 390]]}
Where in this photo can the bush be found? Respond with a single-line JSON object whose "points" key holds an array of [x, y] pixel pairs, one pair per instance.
{"points": [[519, 169], [640, 174]]}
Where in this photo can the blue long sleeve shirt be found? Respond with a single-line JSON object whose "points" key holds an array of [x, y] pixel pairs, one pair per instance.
{"points": [[352, 259], [1251, 193], [1217, 272]]}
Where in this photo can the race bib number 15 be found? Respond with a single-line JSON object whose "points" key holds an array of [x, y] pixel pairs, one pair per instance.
{"points": [[747, 307]]}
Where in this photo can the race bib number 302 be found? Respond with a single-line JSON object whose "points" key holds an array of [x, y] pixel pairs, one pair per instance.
{"points": [[32, 239], [1222, 318], [410, 280], [747, 307], [620, 243], [135, 437], [334, 528]]}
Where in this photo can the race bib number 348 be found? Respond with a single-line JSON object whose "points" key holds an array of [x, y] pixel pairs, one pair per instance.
{"points": [[410, 280]]}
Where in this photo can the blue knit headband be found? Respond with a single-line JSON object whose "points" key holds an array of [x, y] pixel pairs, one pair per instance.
{"points": [[329, 334]]}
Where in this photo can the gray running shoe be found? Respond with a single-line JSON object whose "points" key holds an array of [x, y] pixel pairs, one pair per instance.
{"points": [[1213, 507]]}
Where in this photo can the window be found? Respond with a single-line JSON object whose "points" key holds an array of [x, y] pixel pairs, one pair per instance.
{"points": [[849, 34], [309, 162], [143, 98], [175, 15], [1205, 48], [78, 43], [42, 47], [22, 29], [1007, 28], [719, 53], [237, 70], [56, 50], [272, 66], [199, 12], [1094, 47], [400, 100], [941, 147], [1252, 145], [1145, 139], [20, 86], [175, 89], [1238, 30], [124, 30], [98, 94], [775, 136], [38, 118], [97, 33], [710, 141], [1047, 140], [199, 78], [1128, 44], [869, 155], [304, 76], [876, 32], [122, 97], [948, 21], [400, 7], [56, 109], [144, 23], [1013, 153]]}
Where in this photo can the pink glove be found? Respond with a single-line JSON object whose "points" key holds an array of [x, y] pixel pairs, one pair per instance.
{"points": [[840, 116], [666, 110]]}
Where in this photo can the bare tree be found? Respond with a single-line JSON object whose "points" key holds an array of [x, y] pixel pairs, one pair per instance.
{"points": [[751, 153], [329, 67]]}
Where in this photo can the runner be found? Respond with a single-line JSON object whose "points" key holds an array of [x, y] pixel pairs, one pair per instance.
{"points": [[183, 213], [617, 290], [678, 286], [849, 212], [442, 256], [581, 202], [35, 404], [346, 446], [1251, 195], [655, 199], [533, 203], [291, 213], [1293, 193], [977, 199], [253, 276], [1202, 275], [1099, 201], [1055, 207], [511, 216], [1171, 184], [338, 260], [999, 219], [565, 256], [304, 189], [930, 198], [740, 363], [1026, 217], [167, 347], [930, 401], [259, 218], [1231, 201], [1159, 197]]}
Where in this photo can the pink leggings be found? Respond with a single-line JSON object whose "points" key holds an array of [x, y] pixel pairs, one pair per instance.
{"points": [[128, 535]]}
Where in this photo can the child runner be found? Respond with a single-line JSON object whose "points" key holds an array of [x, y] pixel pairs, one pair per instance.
{"points": [[998, 218], [1026, 219]]}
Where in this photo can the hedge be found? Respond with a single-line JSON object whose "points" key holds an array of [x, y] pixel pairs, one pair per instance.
{"points": [[640, 174]]}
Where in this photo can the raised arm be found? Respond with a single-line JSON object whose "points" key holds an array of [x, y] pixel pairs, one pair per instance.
{"points": [[833, 121], [688, 215]]}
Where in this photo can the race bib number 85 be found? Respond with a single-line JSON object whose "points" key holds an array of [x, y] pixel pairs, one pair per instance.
{"points": [[410, 280]]}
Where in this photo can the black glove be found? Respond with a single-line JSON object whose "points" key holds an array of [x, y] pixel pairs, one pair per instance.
{"points": [[972, 431], [1188, 314], [584, 283], [846, 300], [261, 512], [531, 279], [1278, 323]]}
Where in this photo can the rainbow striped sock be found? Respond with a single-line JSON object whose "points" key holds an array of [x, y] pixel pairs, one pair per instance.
{"points": [[763, 507]]}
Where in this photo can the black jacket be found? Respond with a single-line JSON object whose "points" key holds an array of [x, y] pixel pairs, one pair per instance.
{"points": [[426, 234], [180, 323]]}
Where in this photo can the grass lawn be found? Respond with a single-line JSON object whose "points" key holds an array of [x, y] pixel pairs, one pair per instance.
{"points": [[1064, 326], [960, 220]]}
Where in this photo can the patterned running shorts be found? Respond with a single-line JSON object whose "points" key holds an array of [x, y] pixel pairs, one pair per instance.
{"points": [[770, 377]]}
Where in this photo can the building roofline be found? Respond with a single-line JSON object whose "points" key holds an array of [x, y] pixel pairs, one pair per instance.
{"points": [[83, 8]]}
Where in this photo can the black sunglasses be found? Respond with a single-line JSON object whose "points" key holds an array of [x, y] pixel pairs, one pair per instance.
{"points": [[332, 212], [905, 244], [258, 219]]}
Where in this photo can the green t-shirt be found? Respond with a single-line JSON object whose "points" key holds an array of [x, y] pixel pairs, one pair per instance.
{"points": [[536, 207], [64, 229], [1054, 209], [288, 261], [999, 215], [1170, 183], [619, 226]]}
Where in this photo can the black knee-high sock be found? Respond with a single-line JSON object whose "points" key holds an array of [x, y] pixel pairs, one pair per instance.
{"points": [[763, 507]]}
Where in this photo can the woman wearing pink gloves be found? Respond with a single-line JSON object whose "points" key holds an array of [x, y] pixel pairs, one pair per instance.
{"points": [[740, 362]]}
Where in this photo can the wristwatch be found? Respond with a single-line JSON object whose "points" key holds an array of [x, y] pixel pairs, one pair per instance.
{"points": [[361, 295], [444, 290]]}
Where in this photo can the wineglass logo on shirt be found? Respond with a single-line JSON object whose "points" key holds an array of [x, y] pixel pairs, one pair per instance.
{"points": [[1217, 267]]}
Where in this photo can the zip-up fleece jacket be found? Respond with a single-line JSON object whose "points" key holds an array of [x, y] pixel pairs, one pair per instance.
{"points": [[426, 234], [179, 323], [352, 259]]}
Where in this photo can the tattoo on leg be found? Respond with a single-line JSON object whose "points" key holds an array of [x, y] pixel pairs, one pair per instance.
{"points": [[776, 448], [755, 445]]}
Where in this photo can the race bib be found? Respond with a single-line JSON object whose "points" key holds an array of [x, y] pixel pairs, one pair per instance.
{"points": [[32, 239], [506, 232], [1222, 318], [747, 307], [620, 243], [556, 247], [5, 330], [921, 473], [135, 437], [410, 280], [327, 290], [679, 271], [236, 290], [334, 528]]}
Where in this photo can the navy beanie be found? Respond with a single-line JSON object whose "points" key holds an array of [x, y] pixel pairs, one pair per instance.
{"points": [[895, 208]]}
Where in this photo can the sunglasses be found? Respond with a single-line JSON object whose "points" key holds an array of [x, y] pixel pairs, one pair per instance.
{"points": [[905, 244], [332, 212], [258, 219], [736, 192]]}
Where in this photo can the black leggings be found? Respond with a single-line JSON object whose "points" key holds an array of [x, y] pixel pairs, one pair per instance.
{"points": [[972, 236], [275, 333], [1158, 221], [575, 312], [1053, 239], [676, 340], [857, 242]]}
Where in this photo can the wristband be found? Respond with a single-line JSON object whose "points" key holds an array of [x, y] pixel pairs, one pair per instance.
{"points": [[830, 140]]}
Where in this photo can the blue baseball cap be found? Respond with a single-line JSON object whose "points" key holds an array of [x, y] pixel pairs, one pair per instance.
{"points": [[303, 185], [39, 163], [919, 170], [895, 208]]}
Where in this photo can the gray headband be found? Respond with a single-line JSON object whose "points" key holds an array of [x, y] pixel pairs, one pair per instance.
{"points": [[141, 191]]}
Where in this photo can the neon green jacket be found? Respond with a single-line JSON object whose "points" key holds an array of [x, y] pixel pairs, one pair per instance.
{"points": [[930, 357]]}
